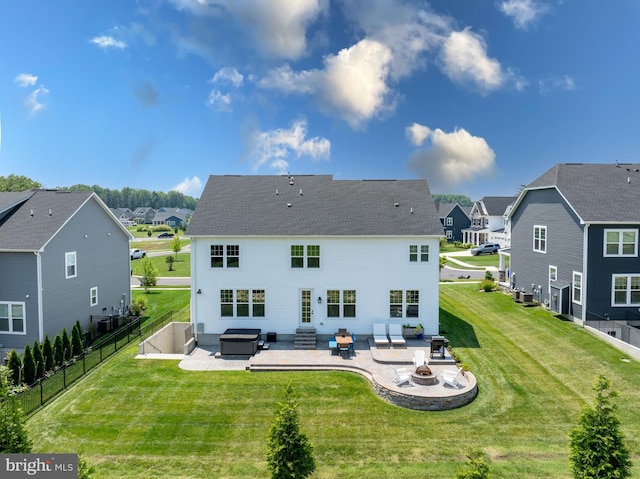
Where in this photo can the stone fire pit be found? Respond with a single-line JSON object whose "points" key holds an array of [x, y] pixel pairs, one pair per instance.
{"points": [[423, 376]]}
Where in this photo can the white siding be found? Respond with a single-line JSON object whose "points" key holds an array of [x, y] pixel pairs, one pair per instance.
{"points": [[372, 267]]}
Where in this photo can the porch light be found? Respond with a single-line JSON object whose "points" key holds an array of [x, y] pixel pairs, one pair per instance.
{"points": [[319, 299]]}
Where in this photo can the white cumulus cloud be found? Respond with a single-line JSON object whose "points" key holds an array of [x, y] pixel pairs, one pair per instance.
{"points": [[450, 158], [34, 101], [276, 147], [228, 75], [189, 186], [563, 83], [25, 79], [219, 101], [417, 133], [105, 42], [523, 12]]}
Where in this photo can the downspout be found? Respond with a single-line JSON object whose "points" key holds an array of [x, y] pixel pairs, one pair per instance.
{"points": [[39, 296], [194, 287], [585, 278]]}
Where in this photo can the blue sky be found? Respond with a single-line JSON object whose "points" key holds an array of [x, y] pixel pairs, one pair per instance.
{"points": [[476, 96]]}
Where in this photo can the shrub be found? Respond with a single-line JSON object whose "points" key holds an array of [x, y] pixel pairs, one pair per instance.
{"points": [[76, 339], [488, 275], [13, 435], [28, 366], [66, 345], [477, 466], [487, 285], [58, 350], [47, 352], [137, 306], [15, 365], [38, 358]]}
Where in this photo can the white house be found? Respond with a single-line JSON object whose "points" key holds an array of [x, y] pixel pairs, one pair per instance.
{"points": [[280, 253], [489, 221]]}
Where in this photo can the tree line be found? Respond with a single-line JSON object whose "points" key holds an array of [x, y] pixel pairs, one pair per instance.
{"points": [[125, 198]]}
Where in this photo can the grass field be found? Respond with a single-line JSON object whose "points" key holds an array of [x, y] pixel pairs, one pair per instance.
{"points": [[181, 266], [144, 418]]}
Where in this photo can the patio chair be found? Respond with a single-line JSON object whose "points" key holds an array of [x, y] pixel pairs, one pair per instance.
{"points": [[380, 335], [395, 335], [352, 346], [419, 358], [452, 378], [402, 376]]}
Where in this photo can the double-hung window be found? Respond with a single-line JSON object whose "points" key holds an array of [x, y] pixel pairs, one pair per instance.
{"points": [[577, 287], [12, 318], [418, 253], [70, 265], [449, 221], [404, 303], [300, 253], [225, 255], [242, 303], [540, 239], [626, 290], [93, 296], [341, 304], [621, 242]]}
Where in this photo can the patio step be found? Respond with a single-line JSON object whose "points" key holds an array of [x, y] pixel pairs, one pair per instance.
{"points": [[305, 338]]}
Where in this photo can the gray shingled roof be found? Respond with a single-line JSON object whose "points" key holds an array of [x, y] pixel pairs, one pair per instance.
{"points": [[597, 192], [26, 232], [258, 205], [497, 205]]}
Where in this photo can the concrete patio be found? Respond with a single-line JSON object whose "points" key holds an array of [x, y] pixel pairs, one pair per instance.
{"points": [[376, 364]]}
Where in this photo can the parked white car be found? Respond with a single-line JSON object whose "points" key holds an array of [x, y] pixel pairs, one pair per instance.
{"points": [[138, 253]]}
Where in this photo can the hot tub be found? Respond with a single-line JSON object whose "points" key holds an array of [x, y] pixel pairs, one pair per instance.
{"points": [[240, 341]]}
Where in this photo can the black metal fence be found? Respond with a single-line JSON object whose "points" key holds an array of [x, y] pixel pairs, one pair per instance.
{"points": [[625, 330], [48, 387]]}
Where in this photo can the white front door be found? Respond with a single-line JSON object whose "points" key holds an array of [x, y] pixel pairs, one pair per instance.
{"points": [[305, 308]]}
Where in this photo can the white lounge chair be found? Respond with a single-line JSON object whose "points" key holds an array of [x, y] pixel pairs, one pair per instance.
{"points": [[452, 378], [395, 335], [402, 376], [380, 335], [419, 358]]}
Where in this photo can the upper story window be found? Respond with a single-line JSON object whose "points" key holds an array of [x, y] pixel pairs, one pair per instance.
{"points": [[93, 296], [553, 273], [623, 242], [70, 267], [12, 318], [540, 239], [449, 221], [423, 255], [298, 256], [222, 255], [626, 290], [341, 304]]}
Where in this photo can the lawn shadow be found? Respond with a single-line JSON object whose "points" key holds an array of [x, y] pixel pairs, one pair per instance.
{"points": [[457, 330]]}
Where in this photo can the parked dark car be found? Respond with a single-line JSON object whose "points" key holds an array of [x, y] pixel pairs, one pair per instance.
{"points": [[165, 235], [486, 248]]}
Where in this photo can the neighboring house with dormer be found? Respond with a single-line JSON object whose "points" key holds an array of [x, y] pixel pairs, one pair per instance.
{"points": [[280, 253], [454, 220], [574, 240], [144, 215], [64, 258], [124, 215], [489, 221]]}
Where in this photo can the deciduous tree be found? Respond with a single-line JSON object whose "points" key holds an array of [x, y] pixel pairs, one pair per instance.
{"points": [[13, 435]]}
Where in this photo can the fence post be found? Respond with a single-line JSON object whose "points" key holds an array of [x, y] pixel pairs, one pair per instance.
{"points": [[64, 375], [84, 366], [41, 395]]}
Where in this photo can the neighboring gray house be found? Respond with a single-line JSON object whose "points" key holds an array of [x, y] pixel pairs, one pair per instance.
{"points": [[454, 219], [144, 215], [574, 240], [489, 221], [124, 215], [64, 257]]}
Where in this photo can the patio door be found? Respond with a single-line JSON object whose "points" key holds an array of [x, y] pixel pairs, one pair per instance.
{"points": [[305, 308]]}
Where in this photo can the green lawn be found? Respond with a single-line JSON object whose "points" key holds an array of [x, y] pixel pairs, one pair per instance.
{"points": [[144, 418], [181, 267], [481, 261]]}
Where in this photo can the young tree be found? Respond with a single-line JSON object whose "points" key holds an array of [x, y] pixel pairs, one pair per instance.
{"points": [[38, 357], [84, 471], [15, 365], [76, 339], [28, 366], [176, 246], [13, 435], [290, 454], [47, 352], [66, 345], [477, 466], [58, 350], [169, 260], [149, 274], [596, 443]]}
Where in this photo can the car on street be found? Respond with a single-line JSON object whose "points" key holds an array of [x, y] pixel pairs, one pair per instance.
{"points": [[165, 235], [485, 248], [138, 253]]}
